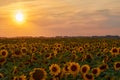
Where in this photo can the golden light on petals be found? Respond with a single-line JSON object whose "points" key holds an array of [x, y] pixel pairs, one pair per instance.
{"points": [[1, 75], [38, 74], [74, 68], [88, 76], [54, 69], [103, 67], [117, 65], [85, 68], [3, 53], [114, 51], [96, 71]]}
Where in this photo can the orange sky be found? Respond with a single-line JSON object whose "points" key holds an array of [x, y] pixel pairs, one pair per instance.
{"points": [[60, 17]]}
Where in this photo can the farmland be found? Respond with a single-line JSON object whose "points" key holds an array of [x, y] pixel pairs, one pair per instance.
{"points": [[76, 58]]}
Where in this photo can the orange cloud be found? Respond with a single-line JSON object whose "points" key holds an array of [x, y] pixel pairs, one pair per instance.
{"points": [[65, 17]]}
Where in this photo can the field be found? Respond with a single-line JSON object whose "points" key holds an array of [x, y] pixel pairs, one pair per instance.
{"points": [[60, 58]]}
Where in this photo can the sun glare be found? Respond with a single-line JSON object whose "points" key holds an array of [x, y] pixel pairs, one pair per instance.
{"points": [[19, 16]]}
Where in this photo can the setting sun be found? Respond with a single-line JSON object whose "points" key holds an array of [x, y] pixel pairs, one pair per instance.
{"points": [[19, 16]]}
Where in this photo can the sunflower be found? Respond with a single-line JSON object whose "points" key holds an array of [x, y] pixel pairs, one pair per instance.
{"points": [[15, 70], [4, 53], [88, 56], [1, 75], [65, 68], [2, 47], [48, 56], [23, 44], [85, 69], [54, 69], [86, 45], [38, 74], [74, 68], [96, 71], [114, 51], [17, 53], [73, 57], [80, 49], [117, 65], [103, 67], [45, 48], [16, 78], [33, 49], [119, 50], [105, 59], [24, 50], [33, 58], [73, 51], [22, 77], [2, 60], [55, 52], [28, 62], [58, 45], [88, 76], [67, 48], [106, 50], [62, 74]]}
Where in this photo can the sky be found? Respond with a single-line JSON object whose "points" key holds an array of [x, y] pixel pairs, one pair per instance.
{"points": [[60, 18]]}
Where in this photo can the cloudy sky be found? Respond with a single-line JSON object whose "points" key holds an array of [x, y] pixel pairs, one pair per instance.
{"points": [[60, 17]]}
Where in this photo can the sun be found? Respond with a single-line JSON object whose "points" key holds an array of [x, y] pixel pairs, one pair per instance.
{"points": [[19, 16]]}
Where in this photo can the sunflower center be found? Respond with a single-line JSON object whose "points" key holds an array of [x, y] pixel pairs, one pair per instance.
{"points": [[54, 69], [84, 69], [88, 76], [103, 67], [58, 45], [3, 53], [15, 71], [88, 56], [3, 47], [0, 76], [80, 49], [24, 50], [20, 79], [47, 55], [34, 58], [73, 67], [114, 50], [66, 68], [16, 78], [17, 52], [33, 49], [94, 71], [38, 75], [118, 65]]}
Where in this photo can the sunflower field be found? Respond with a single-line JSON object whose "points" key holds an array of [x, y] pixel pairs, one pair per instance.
{"points": [[60, 58]]}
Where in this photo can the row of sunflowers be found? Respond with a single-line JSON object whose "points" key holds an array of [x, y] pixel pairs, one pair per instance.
{"points": [[60, 59]]}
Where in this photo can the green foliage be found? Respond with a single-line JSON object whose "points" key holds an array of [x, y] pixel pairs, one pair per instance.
{"points": [[37, 59]]}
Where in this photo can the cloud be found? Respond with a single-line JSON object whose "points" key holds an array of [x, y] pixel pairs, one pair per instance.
{"points": [[112, 19], [7, 2], [66, 17]]}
